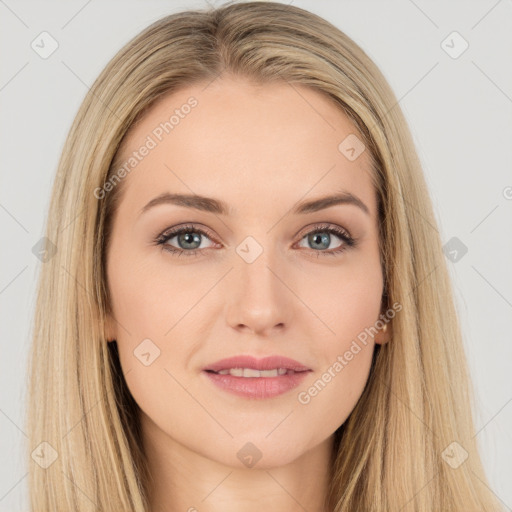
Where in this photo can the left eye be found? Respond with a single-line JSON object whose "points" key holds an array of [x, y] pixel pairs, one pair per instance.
{"points": [[189, 240], [322, 235], [319, 237]]}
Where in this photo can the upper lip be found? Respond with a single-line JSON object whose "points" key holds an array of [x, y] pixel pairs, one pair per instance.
{"points": [[265, 363]]}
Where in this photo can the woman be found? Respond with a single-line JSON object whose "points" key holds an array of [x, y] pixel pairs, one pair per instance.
{"points": [[308, 356]]}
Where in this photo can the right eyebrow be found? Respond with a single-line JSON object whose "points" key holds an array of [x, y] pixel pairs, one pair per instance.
{"points": [[206, 204]]}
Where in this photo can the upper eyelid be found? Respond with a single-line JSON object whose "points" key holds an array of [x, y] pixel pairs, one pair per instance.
{"points": [[172, 232]]}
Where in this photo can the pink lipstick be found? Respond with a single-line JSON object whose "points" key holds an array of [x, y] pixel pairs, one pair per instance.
{"points": [[254, 378]]}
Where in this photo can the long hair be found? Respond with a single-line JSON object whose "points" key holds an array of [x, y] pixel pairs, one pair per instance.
{"points": [[393, 452]]}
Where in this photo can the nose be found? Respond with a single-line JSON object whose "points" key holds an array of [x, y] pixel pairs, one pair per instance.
{"points": [[260, 301]]}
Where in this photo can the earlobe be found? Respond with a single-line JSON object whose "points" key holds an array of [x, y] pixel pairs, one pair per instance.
{"points": [[384, 334]]}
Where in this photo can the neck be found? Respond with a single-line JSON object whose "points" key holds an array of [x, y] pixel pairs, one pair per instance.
{"points": [[184, 480]]}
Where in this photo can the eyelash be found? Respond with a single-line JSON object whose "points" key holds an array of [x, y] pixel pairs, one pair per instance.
{"points": [[164, 237]]}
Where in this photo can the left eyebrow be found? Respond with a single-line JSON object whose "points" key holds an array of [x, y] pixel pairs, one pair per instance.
{"points": [[209, 204], [326, 202]]}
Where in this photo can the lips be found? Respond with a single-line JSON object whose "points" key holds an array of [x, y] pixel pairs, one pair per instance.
{"points": [[253, 378], [264, 364]]}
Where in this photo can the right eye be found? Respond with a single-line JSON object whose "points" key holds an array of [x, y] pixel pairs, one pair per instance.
{"points": [[185, 235]]}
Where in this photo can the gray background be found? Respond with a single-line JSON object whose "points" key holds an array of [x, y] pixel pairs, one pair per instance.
{"points": [[459, 110]]}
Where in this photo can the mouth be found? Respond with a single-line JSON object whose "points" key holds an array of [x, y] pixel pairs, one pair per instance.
{"points": [[254, 378], [256, 387]]}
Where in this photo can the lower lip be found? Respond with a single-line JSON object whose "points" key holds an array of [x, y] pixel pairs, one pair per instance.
{"points": [[257, 387]]}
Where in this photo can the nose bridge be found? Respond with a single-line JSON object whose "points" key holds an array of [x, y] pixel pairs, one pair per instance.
{"points": [[254, 263], [260, 300]]}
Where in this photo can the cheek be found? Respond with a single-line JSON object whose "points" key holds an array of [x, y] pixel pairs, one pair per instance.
{"points": [[346, 300], [158, 312], [346, 348], [151, 311], [150, 298], [334, 389], [330, 397]]}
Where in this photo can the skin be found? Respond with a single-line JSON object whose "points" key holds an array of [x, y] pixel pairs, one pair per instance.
{"points": [[261, 149]]}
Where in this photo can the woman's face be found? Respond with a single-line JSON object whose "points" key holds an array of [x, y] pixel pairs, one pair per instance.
{"points": [[263, 277]]}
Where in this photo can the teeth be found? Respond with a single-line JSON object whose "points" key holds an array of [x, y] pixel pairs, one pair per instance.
{"points": [[250, 372]]}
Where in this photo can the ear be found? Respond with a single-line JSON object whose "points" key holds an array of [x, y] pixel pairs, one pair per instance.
{"points": [[385, 333], [110, 331]]}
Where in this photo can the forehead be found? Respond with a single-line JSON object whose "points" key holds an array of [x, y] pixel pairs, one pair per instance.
{"points": [[245, 143]]}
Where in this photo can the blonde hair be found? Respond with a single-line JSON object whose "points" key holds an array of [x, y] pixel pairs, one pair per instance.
{"points": [[388, 454]]}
